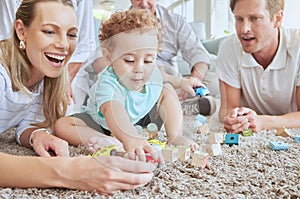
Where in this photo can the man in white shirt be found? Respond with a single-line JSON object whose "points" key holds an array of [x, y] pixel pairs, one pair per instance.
{"points": [[259, 69]]}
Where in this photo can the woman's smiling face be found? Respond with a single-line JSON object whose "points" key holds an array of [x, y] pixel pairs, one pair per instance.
{"points": [[50, 39]]}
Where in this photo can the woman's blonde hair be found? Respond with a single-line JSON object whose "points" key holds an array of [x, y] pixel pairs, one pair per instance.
{"points": [[129, 20], [18, 67]]}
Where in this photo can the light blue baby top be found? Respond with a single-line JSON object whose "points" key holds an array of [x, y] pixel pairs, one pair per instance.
{"points": [[137, 104]]}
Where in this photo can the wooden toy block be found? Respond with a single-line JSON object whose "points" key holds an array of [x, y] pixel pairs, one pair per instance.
{"points": [[200, 159], [278, 146], [184, 152], [204, 129], [284, 132], [214, 138], [213, 149], [247, 132], [297, 138], [232, 139], [170, 153]]}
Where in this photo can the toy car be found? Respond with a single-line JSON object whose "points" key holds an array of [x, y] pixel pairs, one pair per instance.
{"points": [[201, 91]]}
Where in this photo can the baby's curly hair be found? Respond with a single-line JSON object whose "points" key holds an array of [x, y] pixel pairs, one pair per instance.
{"points": [[129, 20]]}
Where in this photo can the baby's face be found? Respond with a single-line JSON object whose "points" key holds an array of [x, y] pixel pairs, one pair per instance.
{"points": [[135, 68]]}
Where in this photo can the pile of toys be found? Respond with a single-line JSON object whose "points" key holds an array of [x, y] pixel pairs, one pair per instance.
{"points": [[183, 153]]}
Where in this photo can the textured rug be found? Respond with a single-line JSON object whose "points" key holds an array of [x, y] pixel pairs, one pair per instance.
{"points": [[248, 170]]}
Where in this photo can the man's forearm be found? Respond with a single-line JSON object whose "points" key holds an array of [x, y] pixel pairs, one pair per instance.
{"points": [[199, 70]]}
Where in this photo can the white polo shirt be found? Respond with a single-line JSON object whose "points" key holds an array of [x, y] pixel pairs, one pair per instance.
{"points": [[271, 91]]}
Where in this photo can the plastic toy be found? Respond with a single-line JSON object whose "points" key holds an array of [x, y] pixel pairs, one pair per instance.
{"points": [[201, 91], [106, 151], [157, 142], [247, 132], [297, 138], [112, 150], [201, 118], [232, 139], [152, 130], [278, 146]]}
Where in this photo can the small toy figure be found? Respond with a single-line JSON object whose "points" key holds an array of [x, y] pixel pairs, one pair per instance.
{"points": [[152, 130], [201, 91], [247, 132], [278, 146]]}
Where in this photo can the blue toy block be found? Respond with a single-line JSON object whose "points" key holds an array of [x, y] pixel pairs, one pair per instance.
{"points": [[297, 138], [278, 146], [232, 139], [202, 91], [201, 118]]}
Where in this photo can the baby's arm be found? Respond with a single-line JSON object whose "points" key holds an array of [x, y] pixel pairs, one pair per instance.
{"points": [[121, 127]]}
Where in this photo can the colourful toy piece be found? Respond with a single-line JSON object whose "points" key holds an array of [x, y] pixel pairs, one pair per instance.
{"points": [[106, 151], [112, 150], [152, 130], [201, 118], [278, 146], [232, 139], [247, 132], [157, 142], [297, 138], [202, 91]]}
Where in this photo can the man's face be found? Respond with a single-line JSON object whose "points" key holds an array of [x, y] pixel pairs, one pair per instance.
{"points": [[148, 5], [254, 27]]}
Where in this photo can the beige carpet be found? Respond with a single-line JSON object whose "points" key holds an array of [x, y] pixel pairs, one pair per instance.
{"points": [[249, 170]]}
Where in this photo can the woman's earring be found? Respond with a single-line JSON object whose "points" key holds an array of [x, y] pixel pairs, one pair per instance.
{"points": [[22, 45]]}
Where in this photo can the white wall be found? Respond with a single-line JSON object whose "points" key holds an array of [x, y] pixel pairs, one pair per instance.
{"points": [[292, 14]]}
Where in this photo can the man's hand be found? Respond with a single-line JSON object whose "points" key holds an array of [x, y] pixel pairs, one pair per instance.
{"points": [[187, 86]]}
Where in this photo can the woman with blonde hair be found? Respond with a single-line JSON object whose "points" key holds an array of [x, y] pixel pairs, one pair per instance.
{"points": [[33, 97]]}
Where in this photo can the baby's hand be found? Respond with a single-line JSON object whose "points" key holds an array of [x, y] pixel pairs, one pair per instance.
{"points": [[137, 147]]}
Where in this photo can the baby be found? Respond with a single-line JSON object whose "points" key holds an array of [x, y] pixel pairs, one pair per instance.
{"points": [[128, 92]]}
